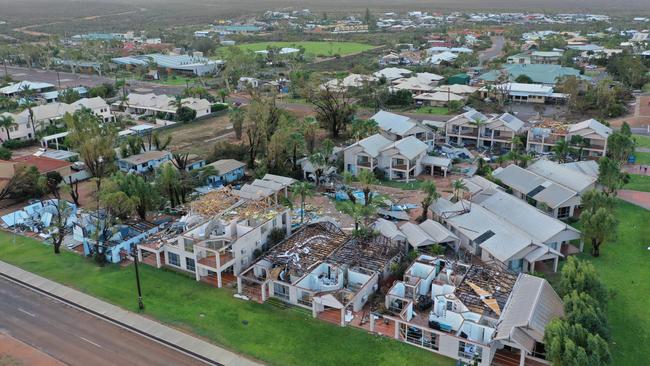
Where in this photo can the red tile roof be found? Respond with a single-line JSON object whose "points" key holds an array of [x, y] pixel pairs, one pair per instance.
{"points": [[43, 164]]}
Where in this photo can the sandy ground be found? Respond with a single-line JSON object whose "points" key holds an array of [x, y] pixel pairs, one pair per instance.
{"points": [[640, 117], [200, 137], [16, 353]]}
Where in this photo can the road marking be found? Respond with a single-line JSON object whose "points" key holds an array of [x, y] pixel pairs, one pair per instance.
{"points": [[91, 342], [27, 312]]}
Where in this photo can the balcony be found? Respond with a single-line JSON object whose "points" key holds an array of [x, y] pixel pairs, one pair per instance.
{"points": [[209, 260], [363, 163]]}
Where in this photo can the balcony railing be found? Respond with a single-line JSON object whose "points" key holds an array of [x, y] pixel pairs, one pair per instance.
{"points": [[364, 163]]}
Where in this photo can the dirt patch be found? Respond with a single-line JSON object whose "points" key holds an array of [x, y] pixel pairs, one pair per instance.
{"points": [[644, 106], [200, 137], [16, 353]]}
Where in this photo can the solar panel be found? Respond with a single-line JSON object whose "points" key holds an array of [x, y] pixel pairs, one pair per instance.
{"points": [[483, 237], [535, 191]]}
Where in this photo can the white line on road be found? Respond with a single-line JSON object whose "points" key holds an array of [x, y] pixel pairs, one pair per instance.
{"points": [[91, 342], [27, 312]]}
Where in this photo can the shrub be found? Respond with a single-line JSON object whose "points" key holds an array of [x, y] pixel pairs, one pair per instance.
{"points": [[276, 235], [17, 144], [216, 107], [5, 154]]}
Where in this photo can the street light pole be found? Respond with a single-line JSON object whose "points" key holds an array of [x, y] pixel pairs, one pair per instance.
{"points": [[137, 279]]}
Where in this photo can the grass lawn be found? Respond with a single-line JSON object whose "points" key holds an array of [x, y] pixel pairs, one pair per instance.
{"points": [[642, 158], [638, 183], [313, 47], [642, 141], [278, 337], [433, 110], [623, 266]]}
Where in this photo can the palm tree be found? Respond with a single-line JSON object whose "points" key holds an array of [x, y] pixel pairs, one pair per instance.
{"points": [[303, 190], [458, 186], [319, 161], [357, 211], [428, 188], [367, 179], [562, 150], [223, 93], [7, 122], [581, 143], [363, 128], [348, 178], [29, 105], [177, 103], [478, 123]]}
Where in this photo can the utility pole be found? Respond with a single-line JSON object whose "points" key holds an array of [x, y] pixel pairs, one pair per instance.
{"points": [[137, 279], [58, 77]]}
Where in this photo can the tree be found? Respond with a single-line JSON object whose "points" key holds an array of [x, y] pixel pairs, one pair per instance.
{"points": [[93, 140], [50, 184], [598, 226], [348, 178], [73, 189], [458, 186], [360, 213], [7, 122], [562, 151], [477, 123], [610, 175], [594, 199], [23, 185], [302, 190], [580, 142], [362, 128], [319, 161], [223, 94], [367, 179], [334, 108], [5, 154], [619, 146], [167, 180], [185, 114], [143, 195], [523, 79], [429, 189], [580, 308], [237, 117], [30, 105], [569, 344], [69, 96], [60, 224], [580, 276]]}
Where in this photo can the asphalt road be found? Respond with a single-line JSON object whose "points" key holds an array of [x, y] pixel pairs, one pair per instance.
{"points": [[497, 47], [69, 80], [74, 337]]}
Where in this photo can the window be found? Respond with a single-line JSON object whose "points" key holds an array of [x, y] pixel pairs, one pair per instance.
{"points": [[174, 259], [516, 265], [563, 212], [470, 351], [189, 264]]}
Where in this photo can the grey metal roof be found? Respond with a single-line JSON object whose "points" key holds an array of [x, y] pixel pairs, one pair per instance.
{"points": [[534, 186], [225, 166], [393, 123], [388, 229], [587, 167], [561, 174], [532, 305], [409, 147], [539, 226], [372, 145]]}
